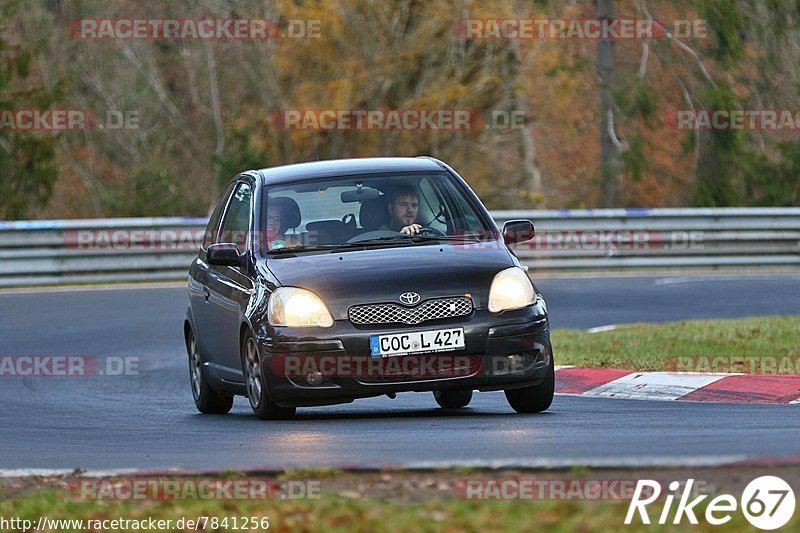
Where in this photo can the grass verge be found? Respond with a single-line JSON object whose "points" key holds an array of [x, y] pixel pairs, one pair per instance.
{"points": [[392, 501], [768, 345]]}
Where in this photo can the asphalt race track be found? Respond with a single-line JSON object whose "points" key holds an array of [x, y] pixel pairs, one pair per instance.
{"points": [[149, 421]]}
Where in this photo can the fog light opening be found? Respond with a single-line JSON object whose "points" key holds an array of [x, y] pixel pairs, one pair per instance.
{"points": [[516, 362], [314, 377]]}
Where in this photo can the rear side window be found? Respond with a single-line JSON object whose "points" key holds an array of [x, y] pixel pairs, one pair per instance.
{"points": [[212, 229], [237, 217]]}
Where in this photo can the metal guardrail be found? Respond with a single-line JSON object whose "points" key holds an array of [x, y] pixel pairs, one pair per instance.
{"points": [[141, 249], [614, 239], [47, 252]]}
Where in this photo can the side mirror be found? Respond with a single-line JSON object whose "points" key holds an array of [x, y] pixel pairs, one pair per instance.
{"points": [[515, 231], [224, 254]]}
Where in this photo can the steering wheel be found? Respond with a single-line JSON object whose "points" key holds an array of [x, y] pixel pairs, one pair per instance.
{"points": [[431, 232]]}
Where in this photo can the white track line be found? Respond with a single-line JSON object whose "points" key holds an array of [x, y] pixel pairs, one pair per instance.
{"points": [[600, 329], [103, 287], [50, 472], [674, 280], [592, 462]]}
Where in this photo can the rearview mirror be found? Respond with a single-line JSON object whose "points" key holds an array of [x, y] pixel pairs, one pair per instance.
{"points": [[359, 195], [515, 231], [224, 254]]}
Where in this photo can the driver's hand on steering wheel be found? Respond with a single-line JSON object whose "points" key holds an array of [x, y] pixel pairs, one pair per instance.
{"points": [[412, 229]]}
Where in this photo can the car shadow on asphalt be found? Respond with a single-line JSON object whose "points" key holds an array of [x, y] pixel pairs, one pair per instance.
{"points": [[415, 414]]}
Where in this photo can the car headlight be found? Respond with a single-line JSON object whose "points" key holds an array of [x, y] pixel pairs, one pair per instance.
{"points": [[292, 306], [511, 289]]}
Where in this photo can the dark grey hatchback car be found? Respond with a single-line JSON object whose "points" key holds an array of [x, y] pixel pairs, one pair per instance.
{"points": [[320, 283]]}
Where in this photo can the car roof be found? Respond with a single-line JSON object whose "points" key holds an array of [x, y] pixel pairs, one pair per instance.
{"points": [[346, 167]]}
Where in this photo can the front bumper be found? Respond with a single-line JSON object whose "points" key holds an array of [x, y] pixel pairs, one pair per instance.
{"points": [[321, 366]]}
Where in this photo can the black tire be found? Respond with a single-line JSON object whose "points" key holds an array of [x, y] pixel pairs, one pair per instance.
{"points": [[451, 399], [254, 376], [206, 399], [534, 399]]}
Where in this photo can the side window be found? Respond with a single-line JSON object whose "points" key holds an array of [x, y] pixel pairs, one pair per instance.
{"points": [[237, 217], [465, 219], [210, 235], [432, 207]]}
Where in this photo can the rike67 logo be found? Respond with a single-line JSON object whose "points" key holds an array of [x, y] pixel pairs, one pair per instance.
{"points": [[767, 502]]}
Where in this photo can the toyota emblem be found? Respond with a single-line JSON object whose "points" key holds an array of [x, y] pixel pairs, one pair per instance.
{"points": [[409, 298]]}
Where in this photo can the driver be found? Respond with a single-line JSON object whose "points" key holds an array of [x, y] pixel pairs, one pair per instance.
{"points": [[403, 207]]}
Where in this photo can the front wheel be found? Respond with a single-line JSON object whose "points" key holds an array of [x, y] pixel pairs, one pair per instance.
{"points": [[206, 399], [254, 375], [534, 399], [450, 399]]}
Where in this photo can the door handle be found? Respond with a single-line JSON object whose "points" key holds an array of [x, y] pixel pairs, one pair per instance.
{"points": [[206, 293]]}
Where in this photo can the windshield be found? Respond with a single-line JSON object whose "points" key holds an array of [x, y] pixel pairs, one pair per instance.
{"points": [[370, 210]]}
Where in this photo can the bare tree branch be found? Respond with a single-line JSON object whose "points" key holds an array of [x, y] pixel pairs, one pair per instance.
{"points": [[151, 78], [612, 133], [686, 48], [688, 99], [216, 114], [533, 172], [645, 56]]}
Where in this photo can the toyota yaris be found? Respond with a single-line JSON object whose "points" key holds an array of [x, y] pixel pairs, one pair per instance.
{"points": [[320, 283]]}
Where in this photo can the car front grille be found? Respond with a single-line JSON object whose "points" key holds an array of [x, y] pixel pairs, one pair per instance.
{"points": [[391, 313]]}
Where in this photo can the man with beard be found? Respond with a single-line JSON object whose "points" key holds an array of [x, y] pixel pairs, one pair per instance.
{"points": [[403, 207]]}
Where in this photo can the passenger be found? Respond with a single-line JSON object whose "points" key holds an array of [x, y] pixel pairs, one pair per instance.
{"points": [[403, 207], [276, 228]]}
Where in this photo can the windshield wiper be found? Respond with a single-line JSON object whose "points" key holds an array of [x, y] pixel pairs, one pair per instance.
{"points": [[454, 238], [406, 239], [411, 238], [373, 242], [378, 241], [334, 247], [303, 248]]}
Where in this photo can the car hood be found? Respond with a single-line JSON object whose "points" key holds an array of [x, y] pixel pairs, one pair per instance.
{"points": [[374, 275]]}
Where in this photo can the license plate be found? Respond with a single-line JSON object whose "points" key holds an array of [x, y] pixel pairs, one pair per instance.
{"points": [[440, 340]]}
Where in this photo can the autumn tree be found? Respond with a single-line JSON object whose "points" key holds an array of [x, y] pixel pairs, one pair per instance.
{"points": [[28, 159]]}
